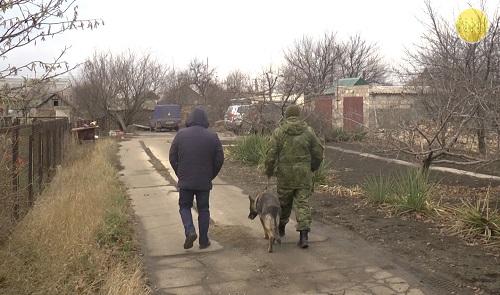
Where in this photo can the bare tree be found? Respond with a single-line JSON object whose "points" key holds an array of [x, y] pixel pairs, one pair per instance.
{"points": [[118, 87], [314, 63], [238, 83], [358, 58], [458, 87], [317, 65], [30, 23], [274, 89], [177, 89], [200, 75]]}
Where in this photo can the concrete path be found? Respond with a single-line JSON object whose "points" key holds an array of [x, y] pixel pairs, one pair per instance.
{"points": [[334, 264]]}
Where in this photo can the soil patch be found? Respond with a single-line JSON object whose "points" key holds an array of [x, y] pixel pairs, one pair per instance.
{"points": [[422, 242]]}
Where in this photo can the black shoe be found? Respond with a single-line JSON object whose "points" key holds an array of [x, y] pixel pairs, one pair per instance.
{"points": [[303, 243], [205, 246], [188, 243], [281, 229]]}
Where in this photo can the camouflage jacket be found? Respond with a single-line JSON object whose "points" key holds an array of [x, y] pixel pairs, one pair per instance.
{"points": [[294, 153]]}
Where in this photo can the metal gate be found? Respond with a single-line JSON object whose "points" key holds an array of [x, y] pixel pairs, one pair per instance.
{"points": [[353, 112]]}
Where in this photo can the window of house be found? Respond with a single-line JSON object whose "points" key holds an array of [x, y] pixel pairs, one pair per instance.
{"points": [[55, 102]]}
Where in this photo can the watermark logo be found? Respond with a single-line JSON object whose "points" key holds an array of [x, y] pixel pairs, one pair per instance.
{"points": [[472, 25]]}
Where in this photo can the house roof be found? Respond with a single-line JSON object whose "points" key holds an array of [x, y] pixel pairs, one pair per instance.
{"points": [[48, 96], [346, 82], [352, 81]]}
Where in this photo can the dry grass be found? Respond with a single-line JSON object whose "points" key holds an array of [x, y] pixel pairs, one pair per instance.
{"points": [[68, 242]]}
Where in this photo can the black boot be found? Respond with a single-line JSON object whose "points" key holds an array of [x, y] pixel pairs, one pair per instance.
{"points": [[281, 229], [303, 243]]}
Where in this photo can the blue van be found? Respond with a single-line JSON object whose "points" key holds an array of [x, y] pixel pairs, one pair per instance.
{"points": [[165, 116]]}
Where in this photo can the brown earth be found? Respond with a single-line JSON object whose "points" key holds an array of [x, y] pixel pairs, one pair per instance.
{"points": [[424, 243]]}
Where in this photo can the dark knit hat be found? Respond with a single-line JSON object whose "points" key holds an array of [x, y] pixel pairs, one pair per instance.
{"points": [[292, 111]]}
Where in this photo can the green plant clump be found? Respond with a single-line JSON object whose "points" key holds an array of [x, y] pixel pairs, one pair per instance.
{"points": [[342, 135], [250, 149], [378, 189], [413, 191], [479, 219], [408, 191]]}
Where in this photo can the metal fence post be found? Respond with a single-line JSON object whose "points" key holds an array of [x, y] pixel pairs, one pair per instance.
{"points": [[15, 183], [30, 170]]}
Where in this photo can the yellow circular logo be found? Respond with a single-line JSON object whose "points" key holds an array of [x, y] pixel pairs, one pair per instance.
{"points": [[472, 25]]}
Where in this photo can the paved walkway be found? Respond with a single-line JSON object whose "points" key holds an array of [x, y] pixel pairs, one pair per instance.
{"points": [[332, 265]]}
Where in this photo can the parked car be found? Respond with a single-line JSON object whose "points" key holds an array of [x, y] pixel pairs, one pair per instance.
{"points": [[234, 116], [166, 116]]}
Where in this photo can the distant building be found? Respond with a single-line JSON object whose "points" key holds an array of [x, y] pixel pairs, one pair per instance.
{"points": [[18, 99], [353, 103]]}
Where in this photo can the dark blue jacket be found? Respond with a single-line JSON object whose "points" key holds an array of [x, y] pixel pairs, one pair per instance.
{"points": [[196, 153]]}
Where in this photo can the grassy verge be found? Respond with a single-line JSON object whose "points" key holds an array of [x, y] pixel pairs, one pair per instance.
{"points": [[78, 238]]}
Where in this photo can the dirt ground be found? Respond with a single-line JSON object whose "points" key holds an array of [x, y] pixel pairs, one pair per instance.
{"points": [[422, 242]]}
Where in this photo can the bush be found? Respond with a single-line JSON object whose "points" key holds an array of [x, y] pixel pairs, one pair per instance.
{"points": [[250, 149], [409, 191], [412, 191], [342, 135]]}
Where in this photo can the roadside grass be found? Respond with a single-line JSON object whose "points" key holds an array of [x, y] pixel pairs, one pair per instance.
{"points": [[78, 238]]}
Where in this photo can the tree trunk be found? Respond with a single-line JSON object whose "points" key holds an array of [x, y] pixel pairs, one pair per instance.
{"points": [[481, 138], [426, 163]]}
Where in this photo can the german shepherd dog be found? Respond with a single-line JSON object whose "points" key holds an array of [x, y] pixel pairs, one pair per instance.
{"points": [[267, 207]]}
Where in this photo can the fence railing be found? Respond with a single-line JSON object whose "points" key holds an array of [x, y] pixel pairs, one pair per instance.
{"points": [[29, 155]]}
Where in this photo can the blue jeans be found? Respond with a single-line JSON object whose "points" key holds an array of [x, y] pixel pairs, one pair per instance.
{"points": [[186, 197]]}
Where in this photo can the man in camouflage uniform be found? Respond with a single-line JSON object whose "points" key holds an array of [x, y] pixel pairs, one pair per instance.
{"points": [[294, 154]]}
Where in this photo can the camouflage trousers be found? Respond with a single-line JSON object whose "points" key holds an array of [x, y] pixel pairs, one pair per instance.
{"points": [[297, 199]]}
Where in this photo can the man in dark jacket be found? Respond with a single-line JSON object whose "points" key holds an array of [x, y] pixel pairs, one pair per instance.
{"points": [[294, 154], [196, 156]]}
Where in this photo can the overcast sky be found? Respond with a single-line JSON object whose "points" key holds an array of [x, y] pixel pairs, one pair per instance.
{"points": [[238, 34]]}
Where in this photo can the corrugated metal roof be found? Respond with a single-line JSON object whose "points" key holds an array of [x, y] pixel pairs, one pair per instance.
{"points": [[352, 81], [345, 82], [330, 90]]}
